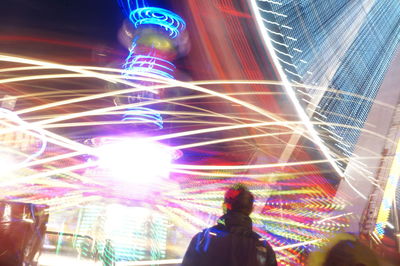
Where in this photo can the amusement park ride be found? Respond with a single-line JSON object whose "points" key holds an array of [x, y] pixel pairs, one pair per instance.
{"points": [[120, 164]]}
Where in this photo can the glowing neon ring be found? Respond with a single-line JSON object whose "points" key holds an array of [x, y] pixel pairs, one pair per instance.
{"points": [[143, 114], [170, 21], [149, 64]]}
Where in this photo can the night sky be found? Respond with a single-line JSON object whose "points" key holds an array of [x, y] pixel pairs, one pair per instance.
{"points": [[95, 18], [92, 19]]}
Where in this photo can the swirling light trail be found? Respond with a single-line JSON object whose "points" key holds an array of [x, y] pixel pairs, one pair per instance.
{"points": [[288, 203], [170, 21], [76, 100], [27, 129], [114, 79], [199, 83], [289, 89]]}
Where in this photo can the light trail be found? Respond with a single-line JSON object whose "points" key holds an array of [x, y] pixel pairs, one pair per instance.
{"points": [[102, 123], [229, 140], [206, 113], [221, 175], [149, 262], [298, 244], [47, 174], [105, 110], [198, 83], [292, 194], [228, 128], [245, 167], [51, 159], [27, 129], [118, 80], [333, 217], [289, 90], [55, 104], [355, 189]]}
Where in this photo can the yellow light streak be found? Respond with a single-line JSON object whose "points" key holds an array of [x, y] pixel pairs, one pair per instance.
{"points": [[55, 172]]}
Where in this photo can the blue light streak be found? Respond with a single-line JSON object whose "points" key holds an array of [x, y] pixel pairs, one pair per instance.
{"points": [[127, 5], [146, 58], [148, 64], [171, 22], [143, 114]]}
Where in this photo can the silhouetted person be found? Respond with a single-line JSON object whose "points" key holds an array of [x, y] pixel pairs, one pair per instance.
{"points": [[344, 250], [351, 253], [232, 241]]}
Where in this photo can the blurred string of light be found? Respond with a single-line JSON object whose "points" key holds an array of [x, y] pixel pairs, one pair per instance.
{"points": [[152, 51], [88, 218], [302, 206], [141, 233], [341, 45], [158, 236], [17, 134], [271, 38], [294, 236], [291, 214], [389, 195], [362, 71], [113, 93]]}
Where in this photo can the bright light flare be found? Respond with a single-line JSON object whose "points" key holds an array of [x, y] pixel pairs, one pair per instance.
{"points": [[137, 160], [7, 164]]}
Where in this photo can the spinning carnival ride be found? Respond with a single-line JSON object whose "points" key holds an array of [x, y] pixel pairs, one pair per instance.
{"points": [[155, 172]]}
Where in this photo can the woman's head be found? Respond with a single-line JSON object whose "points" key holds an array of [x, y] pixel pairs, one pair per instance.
{"points": [[238, 198]]}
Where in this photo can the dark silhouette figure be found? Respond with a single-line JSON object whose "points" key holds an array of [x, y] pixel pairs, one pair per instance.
{"points": [[351, 253], [22, 231], [232, 241], [344, 250]]}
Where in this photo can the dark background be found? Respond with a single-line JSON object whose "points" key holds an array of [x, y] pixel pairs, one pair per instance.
{"points": [[91, 19]]}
